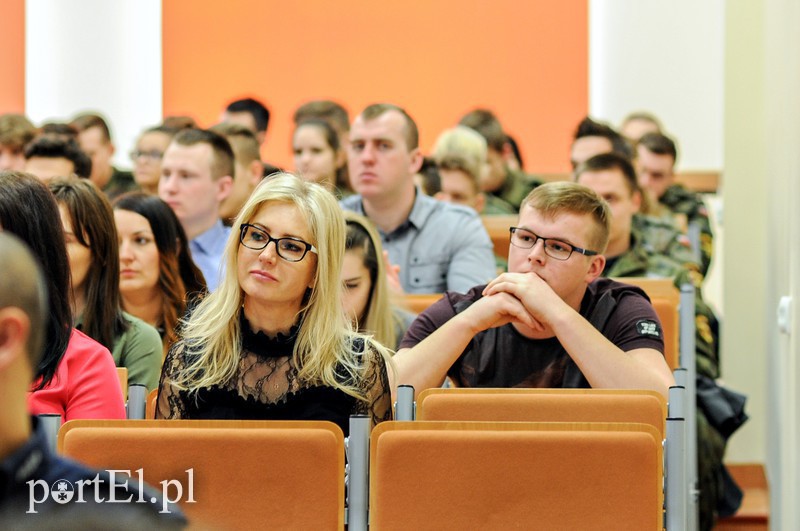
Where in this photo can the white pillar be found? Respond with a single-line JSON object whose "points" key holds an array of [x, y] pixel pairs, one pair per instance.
{"points": [[666, 58], [95, 55]]}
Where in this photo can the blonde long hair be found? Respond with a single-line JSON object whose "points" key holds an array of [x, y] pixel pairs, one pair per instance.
{"points": [[379, 316], [325, 341]]}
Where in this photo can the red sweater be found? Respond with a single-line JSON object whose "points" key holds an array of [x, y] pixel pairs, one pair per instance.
{"points": [[85, 385]]}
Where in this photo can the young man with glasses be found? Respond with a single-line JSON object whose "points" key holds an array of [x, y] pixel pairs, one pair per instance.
{"points": [[548, 322]]}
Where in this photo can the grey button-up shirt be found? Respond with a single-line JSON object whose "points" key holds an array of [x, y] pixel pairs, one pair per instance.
{"points": [[441, 246], [207, 250]]}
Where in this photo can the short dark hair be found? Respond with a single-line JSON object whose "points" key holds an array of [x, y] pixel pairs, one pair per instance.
{"points": [[29, 210], [56, 147], [222, 156], [486, 123], [255, 108], [589, 127], [377, 109], [611, 161], [22, 285], [87, 120], [242, 140], [660, 144], [330, 111], [431, 180]]}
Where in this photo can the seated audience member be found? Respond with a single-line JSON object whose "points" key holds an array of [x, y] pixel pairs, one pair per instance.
{"points": [[158, 279], [427, 177], [435, 245], [549, 322], [460, 155], [273, 342], [338, 118], [655, 165], [61, 130], [513, 155], [248, 170], [147, 154], [638, 124], [49, 156], [593, 138], [614, 179], [249, 113], [318, 154], [94, 137], [15, 133], [76, 376], [367, 297], [500, 180], [179, 122], [196, 177], [27, 464], [93, 252]]}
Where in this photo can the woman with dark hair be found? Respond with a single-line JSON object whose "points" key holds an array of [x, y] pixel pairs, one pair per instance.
{"points": [[76, 376], [158, 277], [318, 155], [367, 298], [93, 253]]}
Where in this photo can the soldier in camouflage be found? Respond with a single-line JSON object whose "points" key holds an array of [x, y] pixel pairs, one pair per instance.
{"points": [[614, 179], [512, 186], [656, 156]]}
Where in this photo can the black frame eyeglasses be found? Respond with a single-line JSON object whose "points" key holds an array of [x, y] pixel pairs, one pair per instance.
{"points": [[553, 248], [290, 249]]}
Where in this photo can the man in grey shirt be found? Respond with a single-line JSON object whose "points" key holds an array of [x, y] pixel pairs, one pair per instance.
{"points": [[432, 246]]}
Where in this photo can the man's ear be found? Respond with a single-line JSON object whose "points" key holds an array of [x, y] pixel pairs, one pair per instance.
{"points": [[14, 329], [416, 160], [224, 187], [636, 199], [256, 171], [596, 266]]}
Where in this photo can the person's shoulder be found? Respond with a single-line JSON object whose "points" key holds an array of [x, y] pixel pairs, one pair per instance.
{"points": [[351, 202], [451, 211], [140, 329], [81, 346], [615, 288]]}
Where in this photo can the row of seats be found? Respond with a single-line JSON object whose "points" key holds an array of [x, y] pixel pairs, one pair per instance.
{"points": [[599, 466]]}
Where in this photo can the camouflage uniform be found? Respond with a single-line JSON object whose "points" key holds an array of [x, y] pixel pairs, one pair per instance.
{"points": [[661, 236], [679, 200], [496, 206], [639, 262], [516, 187]]}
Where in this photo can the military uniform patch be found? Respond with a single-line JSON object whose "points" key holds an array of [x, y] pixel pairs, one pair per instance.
{"points": [[646, 327]]}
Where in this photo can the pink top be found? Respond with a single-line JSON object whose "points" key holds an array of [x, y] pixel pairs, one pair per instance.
{"points": [[85, 385]]}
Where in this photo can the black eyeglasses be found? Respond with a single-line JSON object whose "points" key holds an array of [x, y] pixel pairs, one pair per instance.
{"points": [[525, 239], [290, 249]]}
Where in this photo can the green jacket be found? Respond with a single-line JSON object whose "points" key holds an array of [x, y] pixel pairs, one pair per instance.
{"points": [[638, 262], [516, 187], [661, 236], [679, 200]]}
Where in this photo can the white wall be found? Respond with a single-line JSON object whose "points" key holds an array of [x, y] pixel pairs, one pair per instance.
{"points": [[666, 58], [99, 55]]}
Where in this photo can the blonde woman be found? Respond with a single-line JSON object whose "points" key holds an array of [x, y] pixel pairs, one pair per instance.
{"points": [[272, 342], [367, 297]]}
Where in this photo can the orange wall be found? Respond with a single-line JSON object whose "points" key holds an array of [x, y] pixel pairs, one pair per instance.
{"points": [[527, 61], [12, 56]]}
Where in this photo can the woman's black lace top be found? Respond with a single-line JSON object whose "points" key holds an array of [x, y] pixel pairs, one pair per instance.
{"points": [[266, 387]]}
